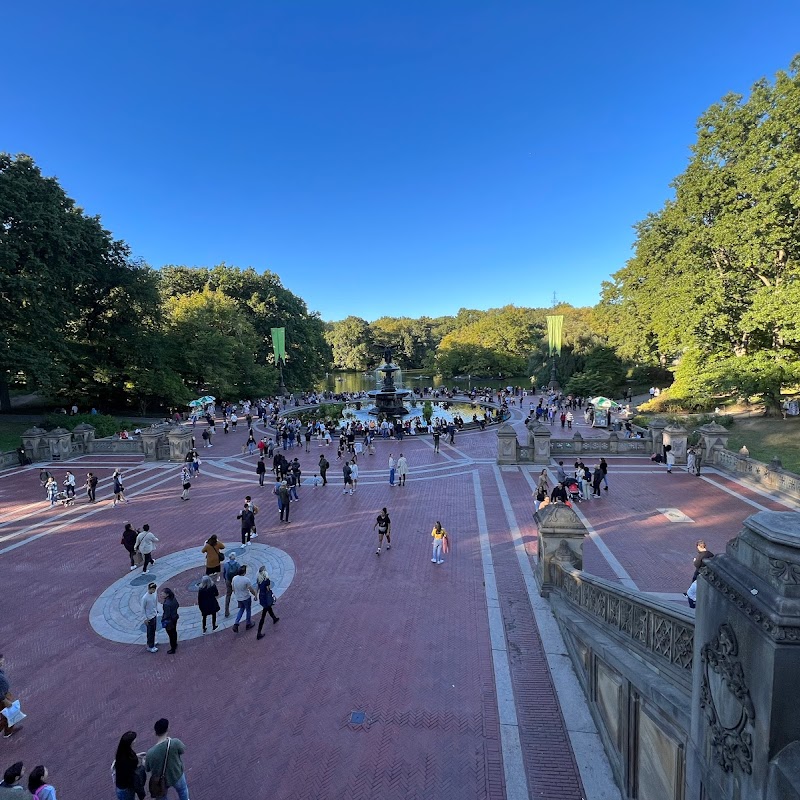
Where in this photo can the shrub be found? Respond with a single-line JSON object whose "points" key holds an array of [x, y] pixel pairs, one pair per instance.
{"points": [[103, 424]]}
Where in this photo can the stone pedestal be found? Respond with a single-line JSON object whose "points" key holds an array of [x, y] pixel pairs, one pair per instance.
{"points": [[712, 435], [539, 442], [180, 443], [560, 540], [677, 437], [59, 440], [151, 437], [507, 444], [84, 433], [656, 427], [613, 443], [34, 442], [745, 706]]}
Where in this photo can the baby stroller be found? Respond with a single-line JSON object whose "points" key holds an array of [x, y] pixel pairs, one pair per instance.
{"points": [[573, 490], [64, 499]]}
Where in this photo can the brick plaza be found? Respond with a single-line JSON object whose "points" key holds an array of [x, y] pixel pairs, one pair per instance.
{"points": [[387, 677]]}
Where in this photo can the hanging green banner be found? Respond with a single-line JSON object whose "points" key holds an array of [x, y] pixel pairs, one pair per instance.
{"points": [[554, 326], [279, 343]]}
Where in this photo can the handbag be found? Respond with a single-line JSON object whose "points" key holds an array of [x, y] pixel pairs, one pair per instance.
{"points": [[221, 555], [13, 714], [158, 783]]}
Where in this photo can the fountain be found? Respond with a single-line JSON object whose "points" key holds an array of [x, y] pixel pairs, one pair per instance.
{"points": [[388, 399]]}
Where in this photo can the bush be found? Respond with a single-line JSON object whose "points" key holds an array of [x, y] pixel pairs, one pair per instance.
{"points": [[103, 424]]}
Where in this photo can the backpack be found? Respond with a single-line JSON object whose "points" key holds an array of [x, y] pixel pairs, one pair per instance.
{"points": [[231, 569]]}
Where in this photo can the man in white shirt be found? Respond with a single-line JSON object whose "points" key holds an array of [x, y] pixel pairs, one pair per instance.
{"points": [[150, 612], [244, 592], [391, 470]]}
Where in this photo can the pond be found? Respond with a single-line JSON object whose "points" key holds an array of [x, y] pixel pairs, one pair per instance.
{"points": [[352, 381], [464, 410]]}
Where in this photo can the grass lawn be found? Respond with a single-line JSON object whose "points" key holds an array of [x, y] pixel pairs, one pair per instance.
{"points": [[11, 429], [767, 438]]}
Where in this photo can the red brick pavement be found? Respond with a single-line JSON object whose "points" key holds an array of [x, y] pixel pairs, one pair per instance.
{"points": [[393, 636]]}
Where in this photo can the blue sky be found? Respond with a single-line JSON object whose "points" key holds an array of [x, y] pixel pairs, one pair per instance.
{"points": [[399, 158]]}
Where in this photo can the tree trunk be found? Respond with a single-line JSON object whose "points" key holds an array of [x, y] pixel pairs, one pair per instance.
{"points": [[772, 403], [5, 396]]}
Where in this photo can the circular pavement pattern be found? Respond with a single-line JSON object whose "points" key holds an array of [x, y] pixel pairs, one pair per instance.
{"points": [[117, 613]]}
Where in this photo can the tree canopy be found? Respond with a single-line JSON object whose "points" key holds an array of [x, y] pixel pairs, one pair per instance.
{"points": [[714, 283]]}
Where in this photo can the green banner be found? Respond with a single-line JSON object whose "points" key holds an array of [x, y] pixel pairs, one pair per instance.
{"points": [[279, 343], [554, 326]]}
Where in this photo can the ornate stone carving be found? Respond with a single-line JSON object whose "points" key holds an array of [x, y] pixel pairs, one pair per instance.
{"points": [[784, 571], [725, 698], [565, 553], [781, 633]]}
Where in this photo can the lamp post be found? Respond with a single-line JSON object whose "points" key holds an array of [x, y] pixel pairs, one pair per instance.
{"points": [[282, 388]]}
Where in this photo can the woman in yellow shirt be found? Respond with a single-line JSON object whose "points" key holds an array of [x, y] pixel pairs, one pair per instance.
{"points": [[439, 534]]}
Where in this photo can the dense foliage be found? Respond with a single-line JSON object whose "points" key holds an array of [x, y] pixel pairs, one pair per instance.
{"points": [[714, 285], [83, 321]]}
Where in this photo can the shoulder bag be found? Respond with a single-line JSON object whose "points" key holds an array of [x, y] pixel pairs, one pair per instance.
{"points": [[158, 783]]}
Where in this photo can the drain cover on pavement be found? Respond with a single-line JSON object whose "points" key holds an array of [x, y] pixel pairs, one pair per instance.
{"points": [[357, 717]]}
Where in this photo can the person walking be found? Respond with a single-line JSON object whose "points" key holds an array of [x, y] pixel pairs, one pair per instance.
{"points": [[119, 489], [186, 482], [251, 443], [402, 469], [128, 541], [38, 784], [284, 501], [229, 572], [146, 545], [207, 601], [169, 618], [392, 467], [291, 482], [690, 461], [570, 420], [307, 435], [354, 474], [150, 613], [670, 458], [164, 760], [261, 470], [69, 484], [323, 469], [347, 475], [212, 550], [248, 519], [91, 486], [384, 526], [604, 470], [51, 487], [698, 460], [266, 599], [242, 591], [439, 534], [437, 435], [6, 701], [129, 774]]}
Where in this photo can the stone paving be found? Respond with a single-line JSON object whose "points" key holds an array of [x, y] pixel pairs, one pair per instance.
{"points": [[387, 677]]}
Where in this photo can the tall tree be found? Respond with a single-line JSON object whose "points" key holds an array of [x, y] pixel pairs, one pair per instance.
{"points": [[351, 343], [715, 271]]}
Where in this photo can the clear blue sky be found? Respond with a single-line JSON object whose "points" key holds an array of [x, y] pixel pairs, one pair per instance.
{"points": [[399, 158]]}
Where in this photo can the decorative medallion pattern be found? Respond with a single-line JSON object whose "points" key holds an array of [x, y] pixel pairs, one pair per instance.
{"points": [[725, 698], [784, 571]]}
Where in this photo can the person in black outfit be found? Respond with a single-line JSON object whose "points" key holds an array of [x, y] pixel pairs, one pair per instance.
{"points": [[91, 486], [129, 776], [169, 619], [703, 554], [129, 542], [283, 495], [248, 519], [559, 494], [323, 469], [261, 470]]}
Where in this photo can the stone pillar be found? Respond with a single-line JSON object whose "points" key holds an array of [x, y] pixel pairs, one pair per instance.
{"points": [[34, 442], [150, 438], [656, 427], [507, 445], [180, 442], [712, 435], [59, 440], [539, 442], [745, 707], [84, 433], [676, 436], [613, 442], [577, 441], [560, 540]]}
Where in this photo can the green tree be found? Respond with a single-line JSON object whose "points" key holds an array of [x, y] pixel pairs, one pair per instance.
{"points": [[351, 343], [715, 271]]}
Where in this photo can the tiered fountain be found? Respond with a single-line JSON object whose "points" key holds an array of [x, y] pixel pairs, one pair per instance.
{"points": [[388, 400]]}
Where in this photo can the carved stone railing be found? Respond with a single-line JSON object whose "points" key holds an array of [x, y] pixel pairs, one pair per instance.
{"points": [[772, 477], [661, 633], [8, 459]]}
